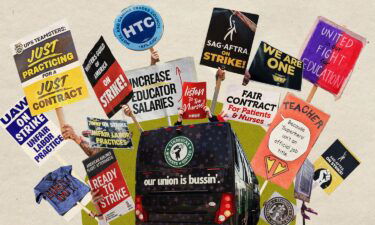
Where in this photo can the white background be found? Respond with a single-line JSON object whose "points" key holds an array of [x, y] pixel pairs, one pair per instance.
{"points": [[282, 24]]}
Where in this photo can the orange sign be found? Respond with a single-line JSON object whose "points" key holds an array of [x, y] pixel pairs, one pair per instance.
{"points": [[288, 141]]}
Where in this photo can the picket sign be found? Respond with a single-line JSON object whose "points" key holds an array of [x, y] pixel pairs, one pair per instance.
{"points": [[61, 118], [309, 99]]}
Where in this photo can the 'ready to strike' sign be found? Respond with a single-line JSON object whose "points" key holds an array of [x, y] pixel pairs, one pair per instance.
{"points": [[272, 66], [289, 139], [105, 175], [138, 27], [109, 133], [330, 54], [333, 166], [229, 39], [158, 88], [194, 100], [37, 135], [251, 105], [49, 69], [111, 86]]}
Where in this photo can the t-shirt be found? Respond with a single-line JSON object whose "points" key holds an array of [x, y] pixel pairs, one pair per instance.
{"points": [[61, 189]]}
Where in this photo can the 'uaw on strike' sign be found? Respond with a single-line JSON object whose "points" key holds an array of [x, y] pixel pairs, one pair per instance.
{"points": [[158, 89], [194, 100], [37, 135], [330, 55], [333, 166], [250, 105], [289, 139], [108, 80], [229, 40], [138, 27], [105, 175], [109, 133], [272, 66], [49, 69]]}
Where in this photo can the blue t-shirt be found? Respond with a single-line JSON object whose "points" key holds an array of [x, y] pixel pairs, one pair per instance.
{"points": [[61, 189]]}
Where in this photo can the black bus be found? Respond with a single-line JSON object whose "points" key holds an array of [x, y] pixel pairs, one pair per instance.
{"points": [[194, 174]]}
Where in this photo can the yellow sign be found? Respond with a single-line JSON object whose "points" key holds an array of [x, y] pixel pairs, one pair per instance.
{"points": [[56, 91]]}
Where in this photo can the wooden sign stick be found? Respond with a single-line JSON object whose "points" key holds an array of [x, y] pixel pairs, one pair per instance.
{"points": [[61, 118], [312, 93], [219, 79]]}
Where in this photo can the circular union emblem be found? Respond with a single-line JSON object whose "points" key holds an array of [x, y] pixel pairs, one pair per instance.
{"points": [[138, 27], [278, 211], [179, 151]]}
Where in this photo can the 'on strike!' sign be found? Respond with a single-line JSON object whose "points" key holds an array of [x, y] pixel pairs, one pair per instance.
{"points": [[289, 140]]}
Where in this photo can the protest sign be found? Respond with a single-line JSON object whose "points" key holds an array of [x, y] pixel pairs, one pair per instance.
{"points": [[194, 100], [108, 80], [138, 27], [49, 69], [278, 210], [229, 39], [158, 89], [105, 175], [272, 66], [251, 105], [109, 133], [333, 166], [37, 135], [304, 180], [289, 139], [330, 54], [63, 191]]}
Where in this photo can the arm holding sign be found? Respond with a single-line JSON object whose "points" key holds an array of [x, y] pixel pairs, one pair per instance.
{"points": [[220, 76], [181, 112], [154, 56], [96, 198], [222, 117], [128, 112], [248, 22], [69, 133]]}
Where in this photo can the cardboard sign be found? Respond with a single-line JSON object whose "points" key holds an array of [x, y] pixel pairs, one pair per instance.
{"points": [[278, 210], [229, 40], [37, 135], [289, 139], [194, 100], [105, 175], [333, 166], [138, 27], [330, 54], [158, 89], [109, 133], [251, 105], [272, 66], [108, 80], [304, 180], [49, 69]]}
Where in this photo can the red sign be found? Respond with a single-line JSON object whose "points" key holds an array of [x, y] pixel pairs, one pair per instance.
{"points": [[194, 100], [289, 140], [105, 175], [108, 80]]}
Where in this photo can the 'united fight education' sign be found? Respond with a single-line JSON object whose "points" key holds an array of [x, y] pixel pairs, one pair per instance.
{"points": [[330, 55]]}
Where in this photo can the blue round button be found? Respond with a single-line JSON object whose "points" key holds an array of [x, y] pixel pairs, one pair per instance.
{"points": [[138, 27]]}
